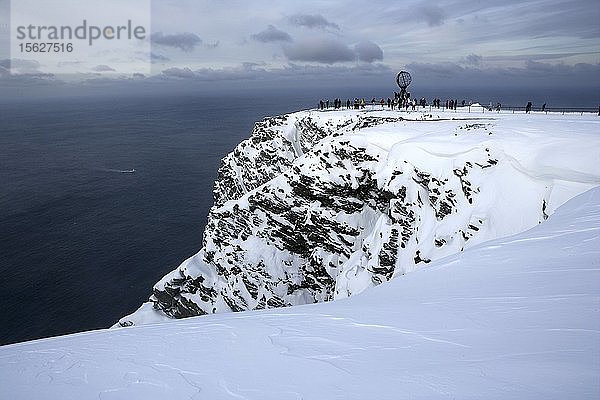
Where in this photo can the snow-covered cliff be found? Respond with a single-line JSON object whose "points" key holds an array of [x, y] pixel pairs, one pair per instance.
{"points": [[316, 206]]}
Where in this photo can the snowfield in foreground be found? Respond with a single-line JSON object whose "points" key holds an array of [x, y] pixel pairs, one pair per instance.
{"points": [[513, 318]]}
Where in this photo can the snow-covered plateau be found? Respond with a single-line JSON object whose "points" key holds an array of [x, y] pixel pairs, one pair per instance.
{"points": [[481, 231]]}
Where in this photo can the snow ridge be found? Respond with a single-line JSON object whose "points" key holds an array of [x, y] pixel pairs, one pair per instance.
{"points": [[316, 206]]}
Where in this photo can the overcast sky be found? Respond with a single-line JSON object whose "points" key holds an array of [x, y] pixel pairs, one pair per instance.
{"points": [[542, 43]]}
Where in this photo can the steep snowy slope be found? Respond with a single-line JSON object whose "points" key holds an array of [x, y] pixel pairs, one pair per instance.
{"points": [[316, 205], [514, 318]]}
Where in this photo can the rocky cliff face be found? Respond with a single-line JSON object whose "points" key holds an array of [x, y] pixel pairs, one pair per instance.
{"points": [[316, 206]]}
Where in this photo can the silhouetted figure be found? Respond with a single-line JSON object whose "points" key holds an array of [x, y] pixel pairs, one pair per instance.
{"points": [[528, 107], [544, 107]]}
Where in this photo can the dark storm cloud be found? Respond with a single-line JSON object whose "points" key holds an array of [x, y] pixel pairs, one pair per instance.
{"points": [[103, 68], [325, 51], [580, 69], [179, 73], [272, 34], [291, 72], [473, 59], [245, 71], [312, 21], [252, 65], [368, 51], [185, 41], [433, 14], [343, 73], [532, 74]]}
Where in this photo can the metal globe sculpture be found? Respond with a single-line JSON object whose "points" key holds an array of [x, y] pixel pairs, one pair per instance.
{"points": [[403, 79]]}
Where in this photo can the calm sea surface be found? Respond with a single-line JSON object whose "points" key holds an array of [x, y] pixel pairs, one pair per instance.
{"points": [[100, 197]]}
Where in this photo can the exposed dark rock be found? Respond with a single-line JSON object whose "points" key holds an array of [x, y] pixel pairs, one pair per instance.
{"points": [[282, 230], [369, 121]]}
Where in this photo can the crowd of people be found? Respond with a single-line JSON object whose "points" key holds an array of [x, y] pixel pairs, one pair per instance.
{"points": [[399, 101], [404, 101]]}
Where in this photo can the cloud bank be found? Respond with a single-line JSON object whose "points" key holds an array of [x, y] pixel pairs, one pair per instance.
{"points": [[272, 34], [368, 51], [184, 41], [326, 51], [312, 21]]}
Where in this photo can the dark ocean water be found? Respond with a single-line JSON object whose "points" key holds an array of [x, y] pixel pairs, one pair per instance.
{"points": [[83, 238]]}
